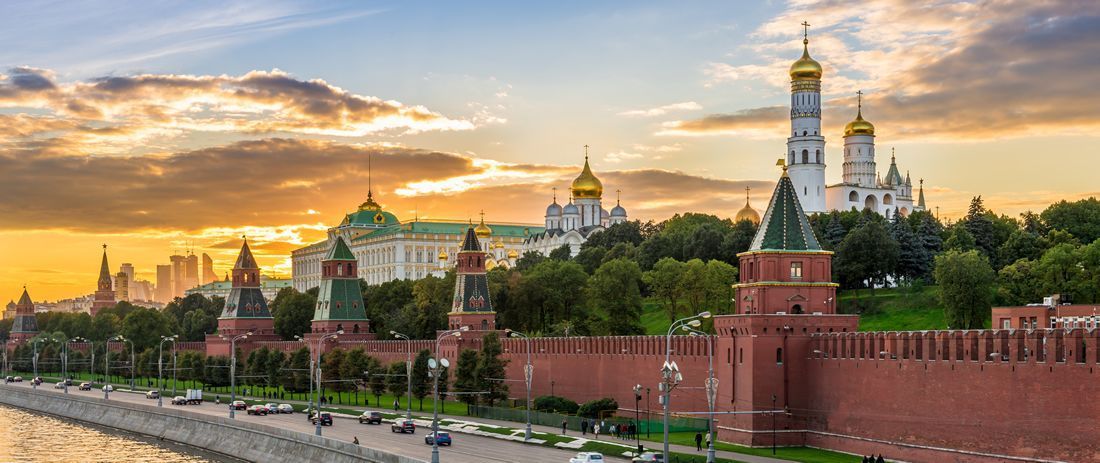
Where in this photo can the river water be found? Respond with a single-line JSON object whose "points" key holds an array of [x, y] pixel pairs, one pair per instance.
{"points": [[32, 437]]}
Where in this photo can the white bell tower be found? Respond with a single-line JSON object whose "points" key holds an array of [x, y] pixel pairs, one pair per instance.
{"points": [[806, 145]]}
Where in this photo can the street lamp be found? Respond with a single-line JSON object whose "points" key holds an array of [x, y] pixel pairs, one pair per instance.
{"points": [[408, 371], [434, 366], [123, 339], [34, 359], [711, 388], [160, 365], [233, 370], [528, 372], [670, 372], [65, 361], [317, 365], [637, 415]]}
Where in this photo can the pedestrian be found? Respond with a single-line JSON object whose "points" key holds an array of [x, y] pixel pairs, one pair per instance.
{"points": [[865, 459], [612, 430], [584, 427], [396, 405], [563, 426], [330, 400], [355, 440], [698, 442], [880, 459], [596, 431]]}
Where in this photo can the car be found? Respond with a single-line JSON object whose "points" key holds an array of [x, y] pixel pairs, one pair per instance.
{"points": [[68, 381], [272, 408], [325, 419], [18, 379], [108, 388], [152, 395], [179, 400], [649, 457], [370, 418], [443, 439], [403, 426], [85, 386], [587, 457], [59, 385], [9, 379], [37, 381], [238, 405], [285, 408], [257, 410]]}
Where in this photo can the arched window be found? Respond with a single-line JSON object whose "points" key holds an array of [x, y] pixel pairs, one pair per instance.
{"points": [[805, 156], [339, 326], [779, 355], [817, 157], [804, 133], [853, 197], [790, 160], [355, 329], [797, 309], [339, 270], [485, 325], [887, 199]]}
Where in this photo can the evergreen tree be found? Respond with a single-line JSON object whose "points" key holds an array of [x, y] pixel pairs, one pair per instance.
{"points": [[866, 256], [912, 261], [980, 226], [466, 377], [490, 369], [397, 382], [834, 231], [421, 383]]}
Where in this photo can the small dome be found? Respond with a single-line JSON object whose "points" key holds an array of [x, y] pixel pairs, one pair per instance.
{"points": [[513, 254], [553, 210], [442, 255], [805, 68], [748, 213], [498, 245], [571, 209], [859, 126], [618, 211], [586, 185], [482, 230]]}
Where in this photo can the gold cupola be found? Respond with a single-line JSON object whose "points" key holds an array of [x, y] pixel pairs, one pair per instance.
{"points": [[481, 230], [747, 212], [859, 125], [586, 185], [806, 68], [442, 255]]}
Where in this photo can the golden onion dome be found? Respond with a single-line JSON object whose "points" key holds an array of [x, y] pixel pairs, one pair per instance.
{"points": [[498, 245], [586, 185], [513, 254], [482, 230], [805, 68], [442, 255], [748, 213], [859, 126]]}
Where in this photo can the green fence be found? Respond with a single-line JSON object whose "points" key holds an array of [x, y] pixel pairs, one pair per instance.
{"points": [[652, 424]]}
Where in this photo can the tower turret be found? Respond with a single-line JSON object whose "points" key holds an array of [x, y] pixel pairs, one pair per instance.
{"points": [[471, 305], [25, 325], [806, 145], [859, 149], [245, 308], [104, 294], [339, 299]]}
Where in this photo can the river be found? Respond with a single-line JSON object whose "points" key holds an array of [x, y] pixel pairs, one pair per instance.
{"points": [[32, 437]]}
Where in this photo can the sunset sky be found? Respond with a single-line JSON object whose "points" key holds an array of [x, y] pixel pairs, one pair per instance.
{"points": [[153, 125]]}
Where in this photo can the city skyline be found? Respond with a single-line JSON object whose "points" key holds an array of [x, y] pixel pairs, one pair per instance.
{"points": [[152, 137]]}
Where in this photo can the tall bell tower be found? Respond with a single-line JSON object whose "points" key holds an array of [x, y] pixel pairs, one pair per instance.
{"points": [[806, 145]]}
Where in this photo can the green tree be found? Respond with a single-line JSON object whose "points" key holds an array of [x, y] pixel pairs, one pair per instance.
{"points": [[664, 283], [866, 256], [300, 371], [614, 290], [1060, 270], [719, 279], [420, 383], [629, 232], [276, 362], [292, 312], [330, 370], [256, 369], [397, 381], [912, 262], [377, 379], [966, 288], [563, 252], [528, 260], [490, 369], [466, 379], [352, 368], [1017, 283], [1080, 218], [145, 327], [959, 239], [590, 258], [980, 226], [834, 232], [196, 325]]}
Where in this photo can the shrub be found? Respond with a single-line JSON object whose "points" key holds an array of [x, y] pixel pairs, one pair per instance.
{"points": [[555, 404], [596, 408]]}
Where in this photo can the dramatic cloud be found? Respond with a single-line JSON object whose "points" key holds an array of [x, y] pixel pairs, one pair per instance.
{"points": [[753, 123], [662, 110], [953, 71], [131, 109]]}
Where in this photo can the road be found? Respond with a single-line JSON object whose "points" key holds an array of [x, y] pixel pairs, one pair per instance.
{"points": [[466, 449]]}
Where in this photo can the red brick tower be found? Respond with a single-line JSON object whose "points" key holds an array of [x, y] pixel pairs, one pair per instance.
{"points": [[245, 308], [104, 294], [471, 306], [25, 325], [784, 295]]}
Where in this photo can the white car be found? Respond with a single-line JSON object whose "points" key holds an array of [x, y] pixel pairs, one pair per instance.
{"points": [[285, 408], [59, 385], [108, 388], [587, 457]]}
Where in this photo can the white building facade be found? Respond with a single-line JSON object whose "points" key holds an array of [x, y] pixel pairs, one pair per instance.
{"points": [[580, 218]]}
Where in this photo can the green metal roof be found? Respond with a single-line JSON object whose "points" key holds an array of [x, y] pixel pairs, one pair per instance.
{"points": [[340, 251], [785, 226], [371, 217], [265, 283], [451, 228], [340, 299]]}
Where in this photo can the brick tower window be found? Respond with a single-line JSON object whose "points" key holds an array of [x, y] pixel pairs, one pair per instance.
{"points": [[796, 270]]}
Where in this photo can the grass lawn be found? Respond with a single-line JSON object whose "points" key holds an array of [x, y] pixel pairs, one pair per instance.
{"points": [[895, 309], [654, 318]]}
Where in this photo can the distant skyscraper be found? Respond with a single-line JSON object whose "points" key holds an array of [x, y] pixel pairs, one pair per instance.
{"points": [[208, 274], [179, 273], [164, 283], [122, 287], [191, 277], [104, 294]]}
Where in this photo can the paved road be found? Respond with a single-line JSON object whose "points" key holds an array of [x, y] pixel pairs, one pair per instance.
{"points": [[466, 449]]}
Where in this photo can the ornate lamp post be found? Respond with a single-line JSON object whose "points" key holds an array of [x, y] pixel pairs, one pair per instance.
{"points": [[317, 365], [435, 367], [233, 370], [670, 372], [160, 365], [408, 371], [711, 388], [528, 372]]}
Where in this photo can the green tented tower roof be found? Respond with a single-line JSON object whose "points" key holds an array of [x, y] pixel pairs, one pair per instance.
{"points": [[785, 226], [340, 251]]}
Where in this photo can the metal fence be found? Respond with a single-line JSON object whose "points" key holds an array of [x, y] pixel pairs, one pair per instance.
{"points": [[652, 424]]}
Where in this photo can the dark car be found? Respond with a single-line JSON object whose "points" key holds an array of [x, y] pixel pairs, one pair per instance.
{"points": [[403, 426], [443, 438], [326, 419], [649, 457], [370, 418]]}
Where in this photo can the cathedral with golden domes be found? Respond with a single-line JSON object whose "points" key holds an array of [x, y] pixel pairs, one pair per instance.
{"points": [[582, 216], [862, 187]]}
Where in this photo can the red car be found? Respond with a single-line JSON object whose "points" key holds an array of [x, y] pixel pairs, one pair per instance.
{"points": [[238, 405], [257, 410]]}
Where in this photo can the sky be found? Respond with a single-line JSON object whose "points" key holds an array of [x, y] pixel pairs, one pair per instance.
{"points": [[158, 127]]}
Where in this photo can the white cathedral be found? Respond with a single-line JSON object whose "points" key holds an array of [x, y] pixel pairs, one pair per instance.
{"points": [[862, 186], [580, 218]]}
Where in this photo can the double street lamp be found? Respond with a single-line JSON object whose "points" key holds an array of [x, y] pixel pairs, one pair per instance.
{"points": [[528, 372], [711, 388], [233, 370], [34, 360], [65, 361], [108, 355], [317, 366], [160, 367], [408, 371], [670, 372], [436, 368]]}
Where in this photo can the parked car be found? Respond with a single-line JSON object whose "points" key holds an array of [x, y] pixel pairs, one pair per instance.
{"points": [[443, 439], [325, 419], [18, 379], [370, 418], [179, 400], [238, 405], [649, 457], [257, 410], [59, 385], [85, 386], [403, 426], [152, 395], [272, 407], [108, 388], [587, 457], [285, 408]]}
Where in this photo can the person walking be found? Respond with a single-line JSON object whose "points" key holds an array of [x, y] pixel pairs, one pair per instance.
{"points": [[564, 423], [596, 431], [396, 405], [355, 440], [698, 442], [613, 431], [584, 427], [880, 459]]}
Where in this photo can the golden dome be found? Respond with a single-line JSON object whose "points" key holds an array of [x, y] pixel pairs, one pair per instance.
{"points": [[586, 185], [806, 68], [442, 255], [490, 264], [482, 230], [513, 254], [498, 245], [747, 212], [859, 126]]}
